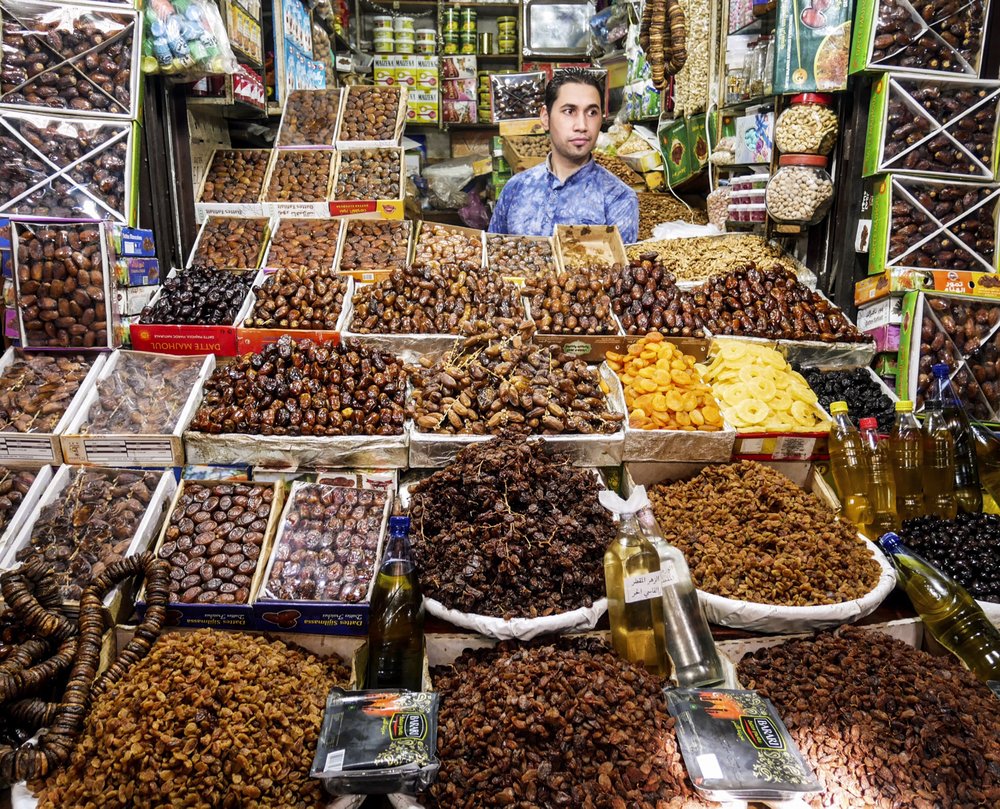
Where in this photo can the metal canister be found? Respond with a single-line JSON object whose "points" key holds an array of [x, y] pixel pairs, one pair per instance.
{"points": [[449, 21], [468, 21], [486, 42]]}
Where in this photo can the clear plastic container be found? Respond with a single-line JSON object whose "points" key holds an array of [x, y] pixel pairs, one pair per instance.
{"points": [[808, 126], [755, 213], [750, 182], [801, 192], [738, 213]]}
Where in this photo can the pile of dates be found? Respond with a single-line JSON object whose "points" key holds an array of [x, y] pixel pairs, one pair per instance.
{"points": [[965, 548], [199, 296], [519, 256], [864, 396], [951, 207], [36, 390], [214, 540], [490, 385], [304, 244], [646, 298], [301, 176], [440, 245], [230, 243], [80, 60], [510, 529], [375, 244], [90, 525], [144, 394], [236, 176], [571, 302], [370, 114], [582, 727], [421, 299], [14, 485], [60, 272], [770, 302], [99, 173], [328, 545], [369, 174], [306, 388], [310, 118], [298, 299]]}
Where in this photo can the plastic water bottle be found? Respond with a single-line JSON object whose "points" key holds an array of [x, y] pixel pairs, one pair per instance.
{"points": [[950, 614], [850, 468], [907, 449], [881, 483]]}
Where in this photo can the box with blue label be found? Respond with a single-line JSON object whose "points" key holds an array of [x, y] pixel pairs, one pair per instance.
{"points": [[137, 272], [134, 243]]}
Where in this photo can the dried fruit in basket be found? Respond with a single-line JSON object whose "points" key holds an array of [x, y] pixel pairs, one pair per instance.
{"points": [[663, 390], [759, 391]]}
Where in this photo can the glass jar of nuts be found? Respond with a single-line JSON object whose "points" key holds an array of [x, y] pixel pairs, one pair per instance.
{"points": [[800, 192], [808, 126]]}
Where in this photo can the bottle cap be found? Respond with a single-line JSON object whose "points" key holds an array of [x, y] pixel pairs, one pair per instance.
{"points": [[890, 542], [838, 407], [904, 406], [941, 370], [868, 423], [399, 525]]}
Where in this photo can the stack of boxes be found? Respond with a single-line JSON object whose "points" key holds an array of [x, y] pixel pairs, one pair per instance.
{"points": [[418, 74], [459, 89]]}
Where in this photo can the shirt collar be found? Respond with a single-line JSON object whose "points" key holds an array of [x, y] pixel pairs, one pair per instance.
{"points": [[580, 172]]}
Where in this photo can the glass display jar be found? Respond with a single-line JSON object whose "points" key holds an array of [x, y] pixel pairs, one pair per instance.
{"points": [[757, 60], [801, 191], [748, 61], [807, 126], [768, 63]]}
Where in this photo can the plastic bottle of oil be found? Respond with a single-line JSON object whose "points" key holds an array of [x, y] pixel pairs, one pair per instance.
{"points": [[881, 483], [939, 463], [907, 450], [968, 492], [635, 592], [850, 467], [988, 455], [950, 614]]}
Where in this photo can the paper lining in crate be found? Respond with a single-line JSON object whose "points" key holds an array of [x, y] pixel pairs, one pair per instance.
{"points": [[423, 227], [307, 129], [368, 208], [317, 209], [111, 22], [44, 448], [210, 614], [250, 339], [118, 601], [377, 272], [589, 243], [434, 450], [187, 339], [158, 448], [395, 140], [202, 209], [774, 618], [43, 134], [266, 223], [43, 477], [671, 445], [308, 615]]}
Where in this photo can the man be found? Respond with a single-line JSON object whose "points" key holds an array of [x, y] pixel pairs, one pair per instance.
{"points": [[569, 188]]}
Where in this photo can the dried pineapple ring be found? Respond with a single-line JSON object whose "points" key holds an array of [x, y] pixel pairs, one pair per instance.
{"points": [[803, 414], [734, 394], [762, 388], [781, 402], [808, 395], [748, 373], [753, 412]]}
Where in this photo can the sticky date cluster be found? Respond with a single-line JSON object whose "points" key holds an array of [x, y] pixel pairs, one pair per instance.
{"points": [[645, 296], [199, 296], [571, 302], [305, 388], [512, 530]]}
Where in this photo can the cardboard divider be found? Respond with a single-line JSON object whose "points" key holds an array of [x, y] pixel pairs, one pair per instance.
{"points": [[218, 616], [45, 448], [249, 210], [373, 144], [324, 617], [118, 601], [80, 446], [298, 210], [43, 477]]}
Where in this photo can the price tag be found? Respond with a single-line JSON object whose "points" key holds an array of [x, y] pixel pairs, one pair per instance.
{"points": [[643, 587], [793, 448]]}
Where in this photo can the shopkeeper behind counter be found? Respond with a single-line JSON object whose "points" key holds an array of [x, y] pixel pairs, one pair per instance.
{"points": [[569, 188]]}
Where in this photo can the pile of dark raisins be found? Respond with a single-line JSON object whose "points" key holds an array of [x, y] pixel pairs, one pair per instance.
{"points": [[858, 388], [965, 548]]}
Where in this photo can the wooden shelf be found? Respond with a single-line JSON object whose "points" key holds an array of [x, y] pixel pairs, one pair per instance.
{"points": [[498, 57], [471, 126]]}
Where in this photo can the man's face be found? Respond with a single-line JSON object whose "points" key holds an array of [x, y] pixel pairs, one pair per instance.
{"points": [[575, 121]]}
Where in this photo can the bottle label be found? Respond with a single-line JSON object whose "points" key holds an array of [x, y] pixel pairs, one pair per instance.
{"points": [[643, 587], [668, 573]]}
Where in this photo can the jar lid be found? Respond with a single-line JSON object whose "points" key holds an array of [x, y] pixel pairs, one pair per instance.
{"points": [[756, 178], [813, 98], [817, 160]]}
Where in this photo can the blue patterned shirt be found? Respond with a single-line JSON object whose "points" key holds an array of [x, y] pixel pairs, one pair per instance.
{"points": [[533, 202]]}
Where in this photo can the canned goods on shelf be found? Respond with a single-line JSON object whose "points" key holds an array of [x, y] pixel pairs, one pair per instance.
{"points": [[404, 36], [403, 24], [507, 45], [507, 25], [449, 21], [404, 47], [468, 48], [486, 43], [382, 22], [426, 47]]}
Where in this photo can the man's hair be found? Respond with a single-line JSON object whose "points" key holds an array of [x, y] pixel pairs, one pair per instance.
{"points": [[572, 75]]}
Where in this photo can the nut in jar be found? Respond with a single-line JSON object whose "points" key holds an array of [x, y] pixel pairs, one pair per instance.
{"points": [[808, 126], [801, 192]]}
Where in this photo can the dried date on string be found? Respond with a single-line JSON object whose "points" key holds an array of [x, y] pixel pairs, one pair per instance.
{"points": [[580, 727], [913, 729], [510, 529]]}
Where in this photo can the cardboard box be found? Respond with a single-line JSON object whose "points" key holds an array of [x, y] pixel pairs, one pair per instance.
{"points": [[886, 364], [114, 20], [324, 617], [933, 128], [165, 338], [874, 18], [697, 139], [99, 263], [901, 280], [594, 243], [118, 601], [351, 100], [590, 347], [458, 67], [522, 126], [245, 34], [423, 107], [130, 301], [203, 210], [906, 232], [427, 73], [370, 274], [369, 208], [80, 445], [317, 208], [133, 243], [811, 48], [459, 90], [676, 152], [883, 312], [518, 161], [459, 112], [219, 616], [38, 486]]}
